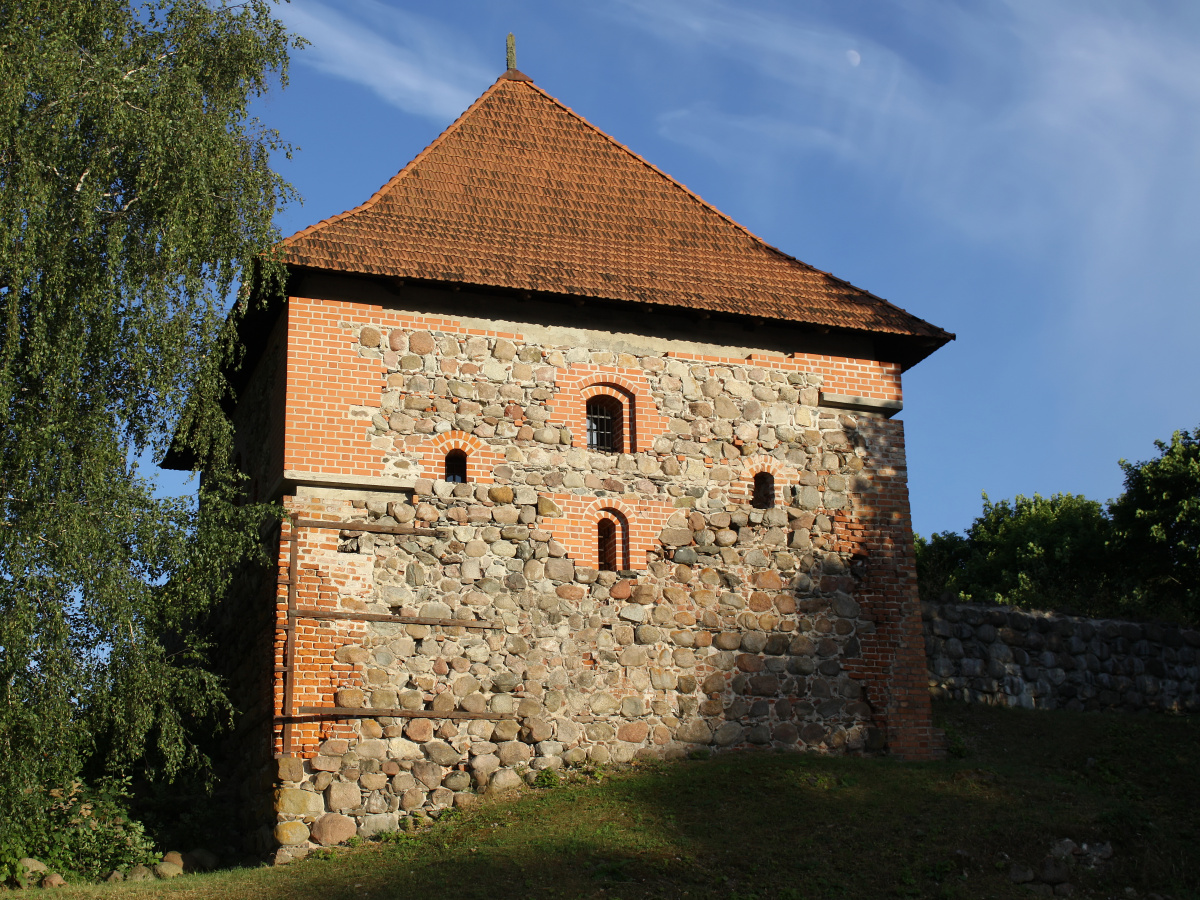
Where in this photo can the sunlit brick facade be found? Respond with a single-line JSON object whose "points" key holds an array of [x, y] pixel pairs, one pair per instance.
{"points": [[725, 560]]}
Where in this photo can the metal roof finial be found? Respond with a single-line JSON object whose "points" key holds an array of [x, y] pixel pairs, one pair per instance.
{"points": [[512, 51]]}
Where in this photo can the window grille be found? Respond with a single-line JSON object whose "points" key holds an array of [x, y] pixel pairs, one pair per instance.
{"points": [[764, 491], [604, 424], [606, 535], [456, 467]]}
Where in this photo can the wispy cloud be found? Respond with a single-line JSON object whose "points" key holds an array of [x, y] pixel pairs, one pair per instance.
{"points": [[1012, 111], [726, 136], [409, 61]]}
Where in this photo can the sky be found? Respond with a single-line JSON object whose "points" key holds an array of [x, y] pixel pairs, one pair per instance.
{"points": [[1021, 173]]}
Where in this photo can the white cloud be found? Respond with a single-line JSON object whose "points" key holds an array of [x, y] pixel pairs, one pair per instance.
{"points": [[408, 61], [726, 136], [1011, 120]]}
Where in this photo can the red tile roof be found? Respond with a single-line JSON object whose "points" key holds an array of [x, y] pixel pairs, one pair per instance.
{"points": [[523, 193]]}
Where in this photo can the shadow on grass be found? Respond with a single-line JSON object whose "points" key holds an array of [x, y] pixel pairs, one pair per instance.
{"points": [[772, 825]]}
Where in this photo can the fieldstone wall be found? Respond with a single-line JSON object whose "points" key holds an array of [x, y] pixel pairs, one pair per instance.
{"points": [[1014, 657], [794, 626]]}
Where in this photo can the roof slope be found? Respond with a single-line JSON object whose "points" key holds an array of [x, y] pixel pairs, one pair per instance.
{"points": [[521, 192]]}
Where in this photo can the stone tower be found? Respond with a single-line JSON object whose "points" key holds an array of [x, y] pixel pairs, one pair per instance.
{"points": [[576, 468]]}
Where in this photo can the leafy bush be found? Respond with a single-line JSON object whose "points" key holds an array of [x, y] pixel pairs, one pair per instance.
{"points": [[940, 560], [1137, 558], [1156, 525], [136, 203], [1035, 552], [82, 829]]}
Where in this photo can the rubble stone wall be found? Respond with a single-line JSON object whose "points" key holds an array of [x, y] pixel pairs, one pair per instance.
{"points": [[1014, 657], [794, 626]]}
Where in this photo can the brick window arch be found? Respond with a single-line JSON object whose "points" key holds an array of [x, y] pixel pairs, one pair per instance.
{"points": [[764, 491], [612, 541], [480, 458], [641, 420], [455, 467], [610, 417], [757, 484]]}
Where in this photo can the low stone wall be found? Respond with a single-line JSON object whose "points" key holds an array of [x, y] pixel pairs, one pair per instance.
{"points": [[1012, 657]]}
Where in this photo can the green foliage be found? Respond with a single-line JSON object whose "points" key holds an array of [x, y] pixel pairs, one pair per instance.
{"points": [[546, 778], [940, 559], [1139, 558], [11, 872], [84, 830], [393, 837], [135, 196], [1034, 552], [956, 746], [1157, 525]]}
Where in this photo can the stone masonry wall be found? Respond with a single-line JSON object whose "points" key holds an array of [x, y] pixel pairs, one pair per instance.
{"points": [[728, 626], [1013, 657]]}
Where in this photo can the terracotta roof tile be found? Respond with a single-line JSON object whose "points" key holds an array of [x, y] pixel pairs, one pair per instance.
{"points": [[521, 192]]}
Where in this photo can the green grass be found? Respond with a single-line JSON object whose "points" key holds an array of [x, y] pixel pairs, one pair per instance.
{"points": [[788, 826]]}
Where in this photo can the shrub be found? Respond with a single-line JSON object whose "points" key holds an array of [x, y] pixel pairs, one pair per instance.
{"points": [[1139, 558], [1156, 525], [1034, 552], [82, 829]]}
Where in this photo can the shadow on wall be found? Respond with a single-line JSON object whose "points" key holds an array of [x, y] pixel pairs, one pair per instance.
{"points": [[1002, 656]]}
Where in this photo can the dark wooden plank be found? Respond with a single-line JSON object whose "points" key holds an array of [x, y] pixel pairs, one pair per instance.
{"points": [[289, 676], [366, 526], [384, 617], [345, 712]]}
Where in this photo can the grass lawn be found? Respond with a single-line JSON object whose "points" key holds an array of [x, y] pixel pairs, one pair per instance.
{"points": [[768, 825]]}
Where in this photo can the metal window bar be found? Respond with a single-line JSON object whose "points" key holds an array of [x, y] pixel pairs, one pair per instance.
{"points": [[456, 467], [606, 537], [603, 425], [764, 491]]}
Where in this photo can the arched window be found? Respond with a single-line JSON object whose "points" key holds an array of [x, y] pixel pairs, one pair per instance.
{"points": [[606, 535], [764, 491], [612, 541], [605, 424], [456, 467]]}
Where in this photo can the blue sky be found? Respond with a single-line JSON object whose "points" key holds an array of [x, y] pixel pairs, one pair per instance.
{"points": [[1021, 173]]}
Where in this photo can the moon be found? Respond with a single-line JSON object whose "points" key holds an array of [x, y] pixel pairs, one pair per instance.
{"points": [[854, 57]]}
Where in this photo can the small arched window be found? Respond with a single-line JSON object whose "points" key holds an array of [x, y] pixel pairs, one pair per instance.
{"points": [[612, 541], [606, 535], [456, 467], [764, 491], [605, 424]]}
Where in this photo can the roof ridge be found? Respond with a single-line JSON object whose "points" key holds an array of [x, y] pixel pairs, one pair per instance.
{"points": [[390, 183], [704, 203], [679, 184]]}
